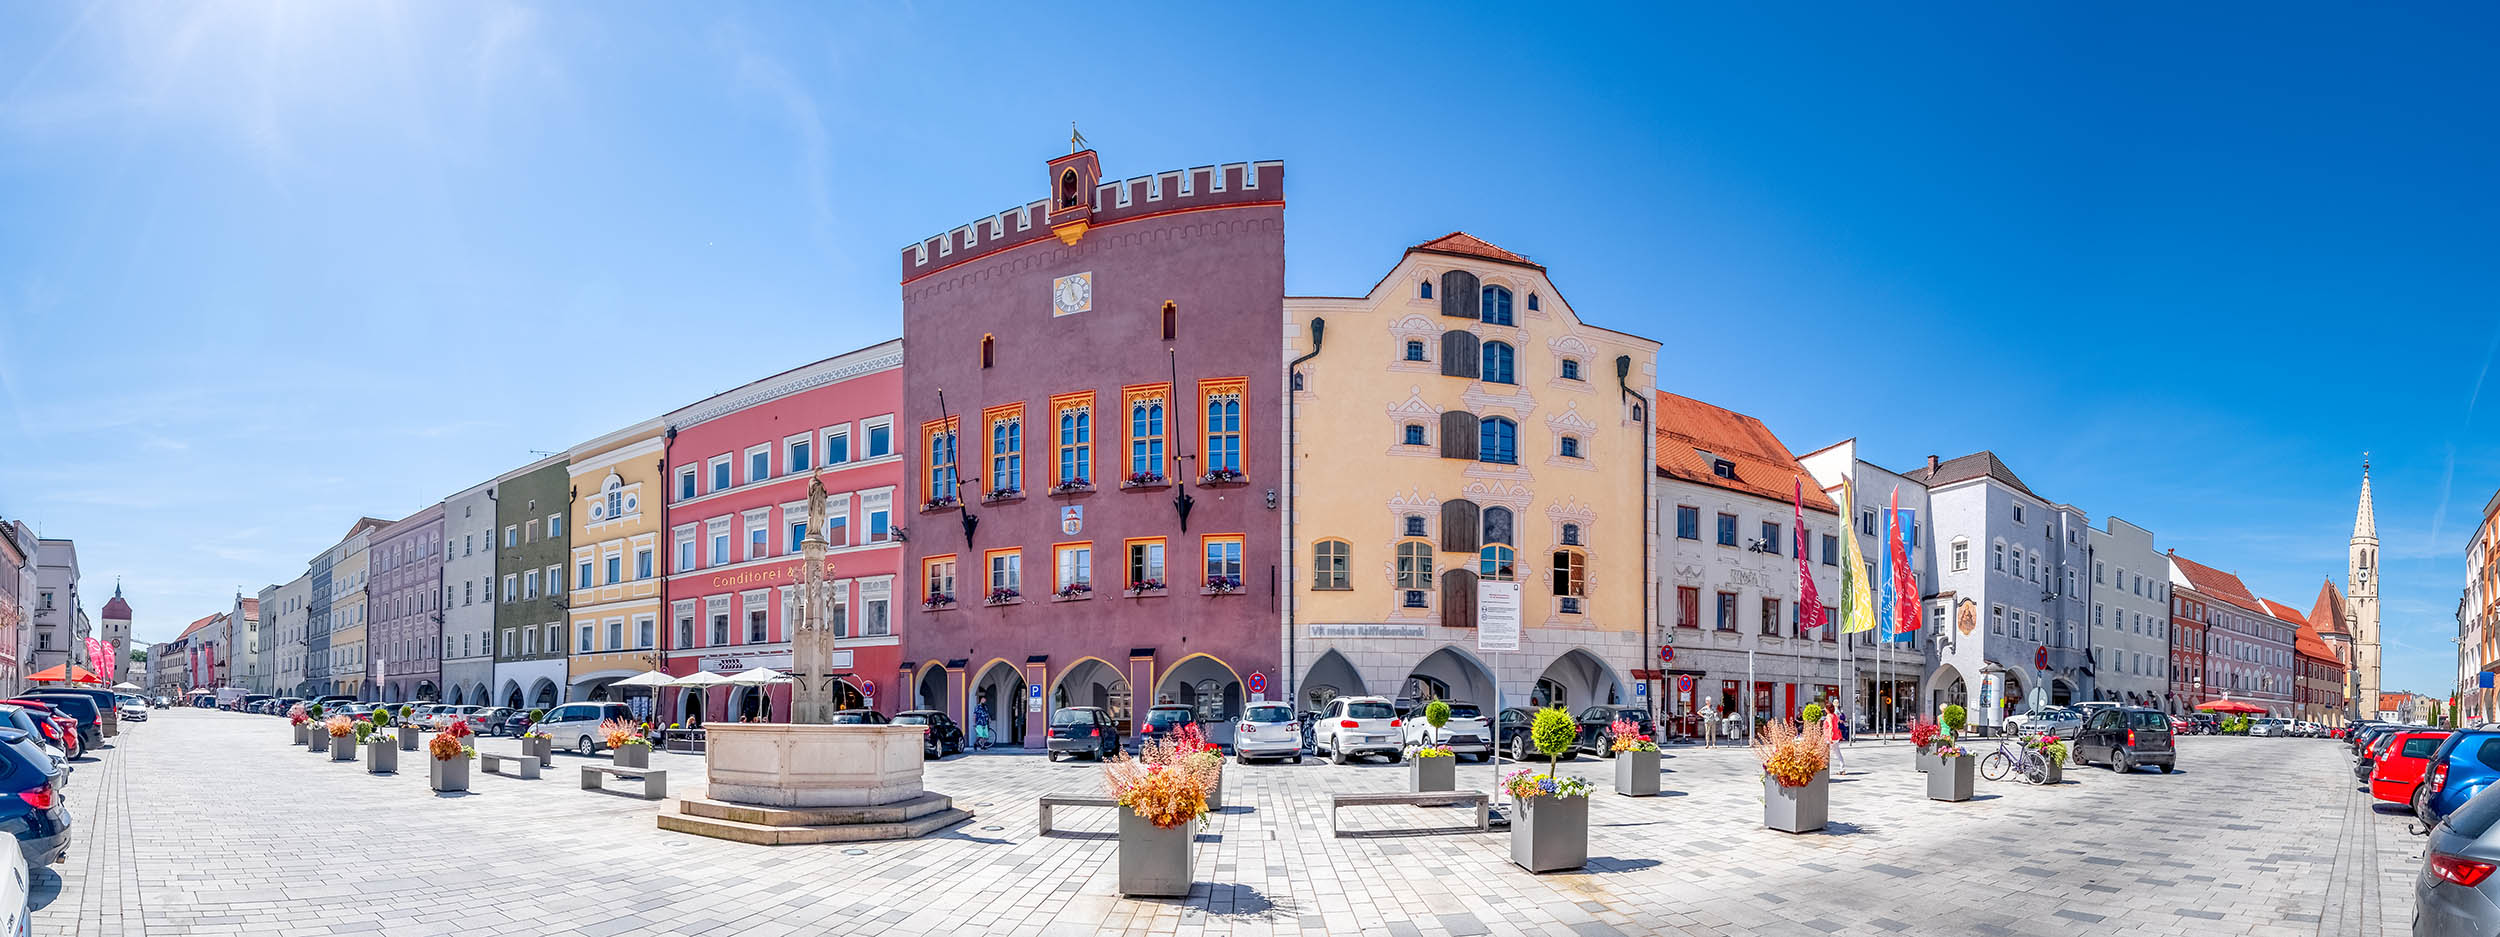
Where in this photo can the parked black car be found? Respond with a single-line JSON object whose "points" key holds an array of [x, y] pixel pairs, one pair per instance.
{"points": [[1597, 727], [1167, 719], [943, 736], [1083, 730], [105, 702], [1511, 735], [81, 708], [2125, 738], [65, 726], [514, 722], [38, 815]]}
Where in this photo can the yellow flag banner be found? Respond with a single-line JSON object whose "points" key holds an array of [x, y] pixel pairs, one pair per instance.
{"points": [[1857, 603]]}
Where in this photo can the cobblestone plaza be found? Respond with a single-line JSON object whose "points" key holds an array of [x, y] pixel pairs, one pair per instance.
{"points": [[202, 822]]}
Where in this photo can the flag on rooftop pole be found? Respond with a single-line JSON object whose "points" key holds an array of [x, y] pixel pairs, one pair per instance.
{"points": [[1809, 605], [1857, 605], [1904, 612]]}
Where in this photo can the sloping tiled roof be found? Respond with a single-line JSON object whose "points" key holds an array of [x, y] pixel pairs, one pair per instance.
{"points": [[2216, 584], [2328, 614], [1463, 244], [251, 609], [1981, 464], [2284, 612], [2310, 645], [1761, 465], [196, 626]]}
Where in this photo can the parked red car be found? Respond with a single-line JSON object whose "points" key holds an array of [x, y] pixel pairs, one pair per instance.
{"points": [[64, 726], [2398, 768]]}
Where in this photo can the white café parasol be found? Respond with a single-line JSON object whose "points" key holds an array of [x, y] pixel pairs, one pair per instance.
{"points": [[759, 676], [652, 678]]}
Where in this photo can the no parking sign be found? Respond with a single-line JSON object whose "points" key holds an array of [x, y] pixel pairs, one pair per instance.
{"points": [[1258, 685]]}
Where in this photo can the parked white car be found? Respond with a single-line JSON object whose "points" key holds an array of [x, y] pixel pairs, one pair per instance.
{"points": [[2061, 721], [2272, 728], [14, 893], [575, 726], [1267, 730], [1468, 731], [1359, 725]]}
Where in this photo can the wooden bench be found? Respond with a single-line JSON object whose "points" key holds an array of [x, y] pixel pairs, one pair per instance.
{"points": [[654, 780], [527, 764], [1070, 800], [1476, 799]]}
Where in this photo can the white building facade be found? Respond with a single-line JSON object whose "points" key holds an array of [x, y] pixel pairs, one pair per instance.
{"points": [[2010, 574], [1890, 675], [468, 631], [2130, 596]]}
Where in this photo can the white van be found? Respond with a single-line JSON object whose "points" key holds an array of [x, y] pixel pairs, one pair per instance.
{"points": [[575, 726]]}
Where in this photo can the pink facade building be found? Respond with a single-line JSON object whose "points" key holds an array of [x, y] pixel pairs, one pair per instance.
{"points": [[738, 466]]}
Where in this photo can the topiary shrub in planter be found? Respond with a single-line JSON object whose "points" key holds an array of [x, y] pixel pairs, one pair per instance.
{"points": [[1796, 778], [381, 751], [1433, 768], [1163, 796], [1636, 760], [1954, 718], [1550, 831], [1812, 714], [627, 746], [1951, 779]]}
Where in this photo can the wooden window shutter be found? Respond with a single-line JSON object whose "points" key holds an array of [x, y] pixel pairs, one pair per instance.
{"points": [[1458, 599], [1458, 295], [1458, 435], [1461, 354], [1459, 526]]}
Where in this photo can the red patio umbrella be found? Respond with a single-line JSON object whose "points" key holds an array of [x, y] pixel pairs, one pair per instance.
{"points": [[76, 674], [2231, 706]]}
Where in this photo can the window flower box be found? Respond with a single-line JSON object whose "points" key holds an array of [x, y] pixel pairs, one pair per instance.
{"points": [[1220, 585], [1222, 478], [937, 600], [939, 504], [1079, 485], [1137, 480], [1148, 587], [1074, 591], [1003, 597], [1003, 494]]}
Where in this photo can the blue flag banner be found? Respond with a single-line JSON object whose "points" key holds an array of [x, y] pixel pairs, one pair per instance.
{"points": [[1904, 524]]}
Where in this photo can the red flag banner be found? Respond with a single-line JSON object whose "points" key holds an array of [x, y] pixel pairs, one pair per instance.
{"points": [[1904, 576], [1809, 605]]}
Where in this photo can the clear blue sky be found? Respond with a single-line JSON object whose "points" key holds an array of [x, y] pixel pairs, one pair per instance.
{"points": [[266, 267]]}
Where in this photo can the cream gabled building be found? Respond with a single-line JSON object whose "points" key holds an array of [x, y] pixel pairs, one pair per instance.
{"points": [[614, 574], [1461, 422]]}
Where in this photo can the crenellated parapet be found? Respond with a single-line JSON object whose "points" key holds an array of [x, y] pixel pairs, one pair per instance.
{"points": [[1220, 186]]}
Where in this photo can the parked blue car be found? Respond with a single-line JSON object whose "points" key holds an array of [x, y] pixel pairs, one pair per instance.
{"points": [[2461, 767]]}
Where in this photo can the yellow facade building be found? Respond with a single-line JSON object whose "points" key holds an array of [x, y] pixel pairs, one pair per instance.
{"points": [[614, 576], [350, 666], [1459, 425]]}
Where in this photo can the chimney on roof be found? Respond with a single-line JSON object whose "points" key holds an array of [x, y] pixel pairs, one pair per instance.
{"points": [[1931, 464]]}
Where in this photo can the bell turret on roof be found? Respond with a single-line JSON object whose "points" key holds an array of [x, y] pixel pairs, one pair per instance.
{"points": [[114, 608]]}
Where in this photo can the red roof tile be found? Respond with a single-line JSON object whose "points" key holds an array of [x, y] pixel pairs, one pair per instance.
{"points": [[1761, 465], [2306, 639], [2328, 614], [2216, 584], [1463, 244], [251, 609], [197, 625]]}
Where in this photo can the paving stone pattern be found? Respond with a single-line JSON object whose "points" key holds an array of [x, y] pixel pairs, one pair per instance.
{"points": [[207, 823]]}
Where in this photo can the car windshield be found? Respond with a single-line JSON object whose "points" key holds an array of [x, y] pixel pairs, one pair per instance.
{"points": [[2148, 720], [1269, 714], [1167, 717], [1369, 711], [911, 719], [850, 719], [1072, 717], [1465, 711]]}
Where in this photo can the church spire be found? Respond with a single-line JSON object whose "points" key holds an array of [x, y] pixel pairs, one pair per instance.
{"points": [[2364, 523]]}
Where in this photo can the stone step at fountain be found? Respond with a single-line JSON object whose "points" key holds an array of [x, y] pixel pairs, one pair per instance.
{"points": [[782, 826]]}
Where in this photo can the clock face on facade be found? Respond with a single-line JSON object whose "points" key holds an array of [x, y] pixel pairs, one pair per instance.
{"points": [[1072, 294]]}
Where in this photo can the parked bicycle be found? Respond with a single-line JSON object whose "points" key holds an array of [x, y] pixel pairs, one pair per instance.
{"points": [[2015, 755]]}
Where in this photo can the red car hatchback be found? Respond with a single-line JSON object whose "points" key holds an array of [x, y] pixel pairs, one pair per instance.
{"points": [[2398, 770]]}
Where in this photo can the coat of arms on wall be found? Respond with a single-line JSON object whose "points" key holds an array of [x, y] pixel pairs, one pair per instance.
{"points": [[1966, 616]]}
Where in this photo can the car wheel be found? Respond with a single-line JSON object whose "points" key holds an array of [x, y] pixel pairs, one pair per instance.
{"points": [[2421, 796], [2167, 768], [581, 746], [1239, 758], [1297, 758], [1336, 752], [1053, 756], [1395, 757], [2120, 763]]}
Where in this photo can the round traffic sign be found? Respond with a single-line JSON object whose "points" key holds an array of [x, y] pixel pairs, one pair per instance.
{"points": [[2040, 658], [868, 688], [1258, 681]]}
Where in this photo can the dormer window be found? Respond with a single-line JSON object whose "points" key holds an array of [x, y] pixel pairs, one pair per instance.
{"points": [[1425, 291], [1723, 468]]}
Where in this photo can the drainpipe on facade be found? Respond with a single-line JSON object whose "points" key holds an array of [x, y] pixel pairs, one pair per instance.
{"points": [[1293, 494], [1623, 379], [659, 565]]}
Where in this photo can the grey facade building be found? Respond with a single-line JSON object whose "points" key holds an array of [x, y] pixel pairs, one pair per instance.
{"points": [[531, 550], [468, 626], [2130, 595], [316, 680], [2011, 567], [60, 620]]}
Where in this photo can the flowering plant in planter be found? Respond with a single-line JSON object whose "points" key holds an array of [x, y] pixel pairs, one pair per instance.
{"points": [[1220, 476], [1143, 586], [2050, 748], [1166, 785], [446, 746], [1525, 783], [295, 715], [1947, 749], [1221, 585], [1079, 483], [937, 600], [1006, 491], [1437, 751], [1628, 737], [1791, 757], [1143, 478], [1188, 740], [1003, 596], [339, 727], [1923, 733], [1074, 589], [620, 734], [941, 501], [458, 729]]}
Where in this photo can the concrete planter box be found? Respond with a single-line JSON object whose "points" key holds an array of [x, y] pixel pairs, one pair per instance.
{"points": [[408, 736], [1951, 780], [543, 748], [630, 756], [2057, 772], [1797, 809], [1215, 793], [1636, 774], [1155, 862], [343, 748], [301, 731], [447, 775], [317, 740], [381, 757], [1433, 774], [1550, 834], [1925, 759]]}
